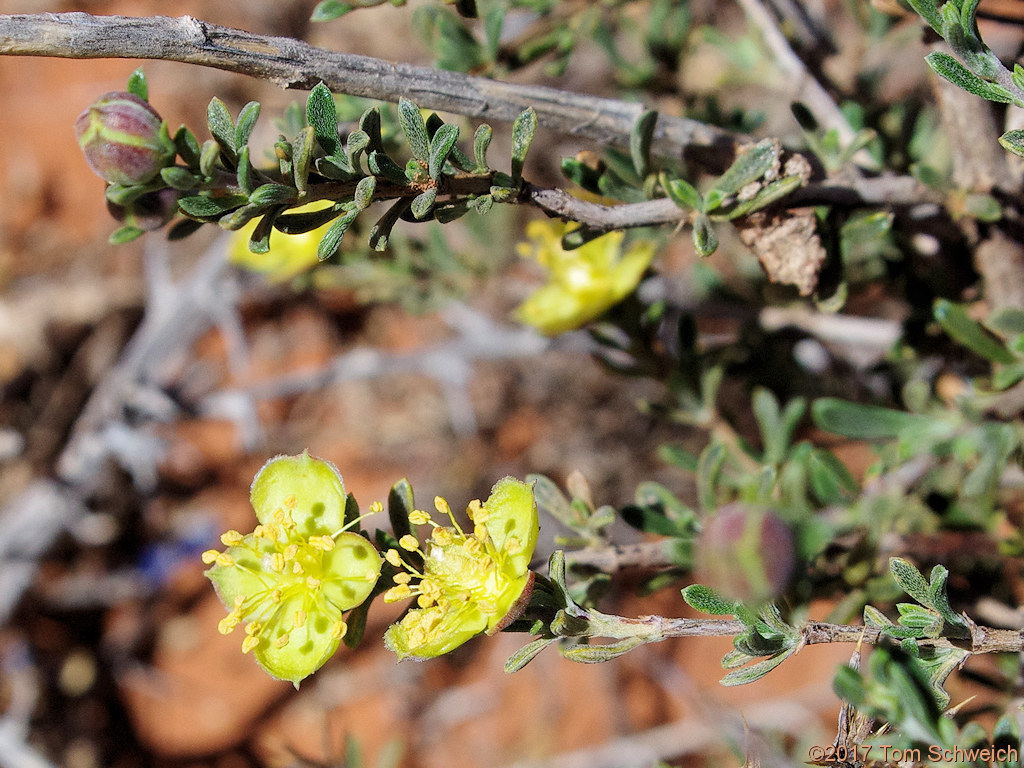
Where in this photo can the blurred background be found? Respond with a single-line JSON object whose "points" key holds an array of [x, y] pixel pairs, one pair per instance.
{"points": [[143, 385]]}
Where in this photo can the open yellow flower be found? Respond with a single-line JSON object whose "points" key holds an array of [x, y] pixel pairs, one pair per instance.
{"points": [[582, 283], [289, 255], [297, 572], [471, 582]]}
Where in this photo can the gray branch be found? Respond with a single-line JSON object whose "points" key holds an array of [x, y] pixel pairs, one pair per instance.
{"points": [[292, 63]]}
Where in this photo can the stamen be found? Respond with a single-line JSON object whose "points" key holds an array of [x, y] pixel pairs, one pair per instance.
{"points": [[419, 517], [442, 536], [409, 543], [225, 560], [400, 592], [210, 556], [249, 643], [441, 505], [325, 543], [231, 538]]}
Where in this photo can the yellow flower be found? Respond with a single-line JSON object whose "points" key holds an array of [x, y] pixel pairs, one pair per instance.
{"points": [[582, 283], [289, 255], [471, 582], [297, 572]]}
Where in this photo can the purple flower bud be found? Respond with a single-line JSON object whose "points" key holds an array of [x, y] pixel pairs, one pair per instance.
{"points": [[746, 554], [124, 139], [148, 211]]}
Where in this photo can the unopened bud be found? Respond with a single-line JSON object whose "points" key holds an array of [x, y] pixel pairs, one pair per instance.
{"points": [[124, 139], [746, 554], [148, 211]]}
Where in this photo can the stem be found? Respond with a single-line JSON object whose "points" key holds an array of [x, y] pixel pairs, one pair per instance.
{"points": [[656, 628], [294, 64]]}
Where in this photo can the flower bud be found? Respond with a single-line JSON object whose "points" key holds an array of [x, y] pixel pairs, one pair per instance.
{"points": [[746, 554], [124, 139], [148, 211]]}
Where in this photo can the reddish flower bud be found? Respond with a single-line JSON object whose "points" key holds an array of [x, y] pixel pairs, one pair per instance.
{"points": [[148, 211], [124, 139], [746, 554]]}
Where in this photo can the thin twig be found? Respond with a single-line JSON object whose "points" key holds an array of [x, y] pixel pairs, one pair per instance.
{"points": [[804, 86], [294, 64]]}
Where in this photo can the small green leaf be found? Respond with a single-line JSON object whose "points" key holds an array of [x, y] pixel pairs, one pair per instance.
{"points": [[137, 85], [401, 504], [961, 328], [302, 157], [1013, 141], [830, 479], [440, 147], [246, 122], [713, 199], [948, 68], [381, 231], [246, 174], [363, 195], [769, 194], [327, 10], [481, 141], [206, 207], [750, 166], [369, 123], [940, 602], [332, 238], [482, 205], [382, 165], [188, 148], [423, 202], [864, 422], [916, 617], [355, 144], [875, 618], [415, 130], [179, 178], [755, 671], [222, 127], [322, 116], [208, 157], [910, 580], [523, 129], [683, 194], [124, 235], [259, 240], [336, 167], [596, 654], [705, 240], [272, 194], [307, 221], [527, 653], [183, 228], [582, 174], [241, 216], [929, 12], [640, 138], [706, 600]]}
